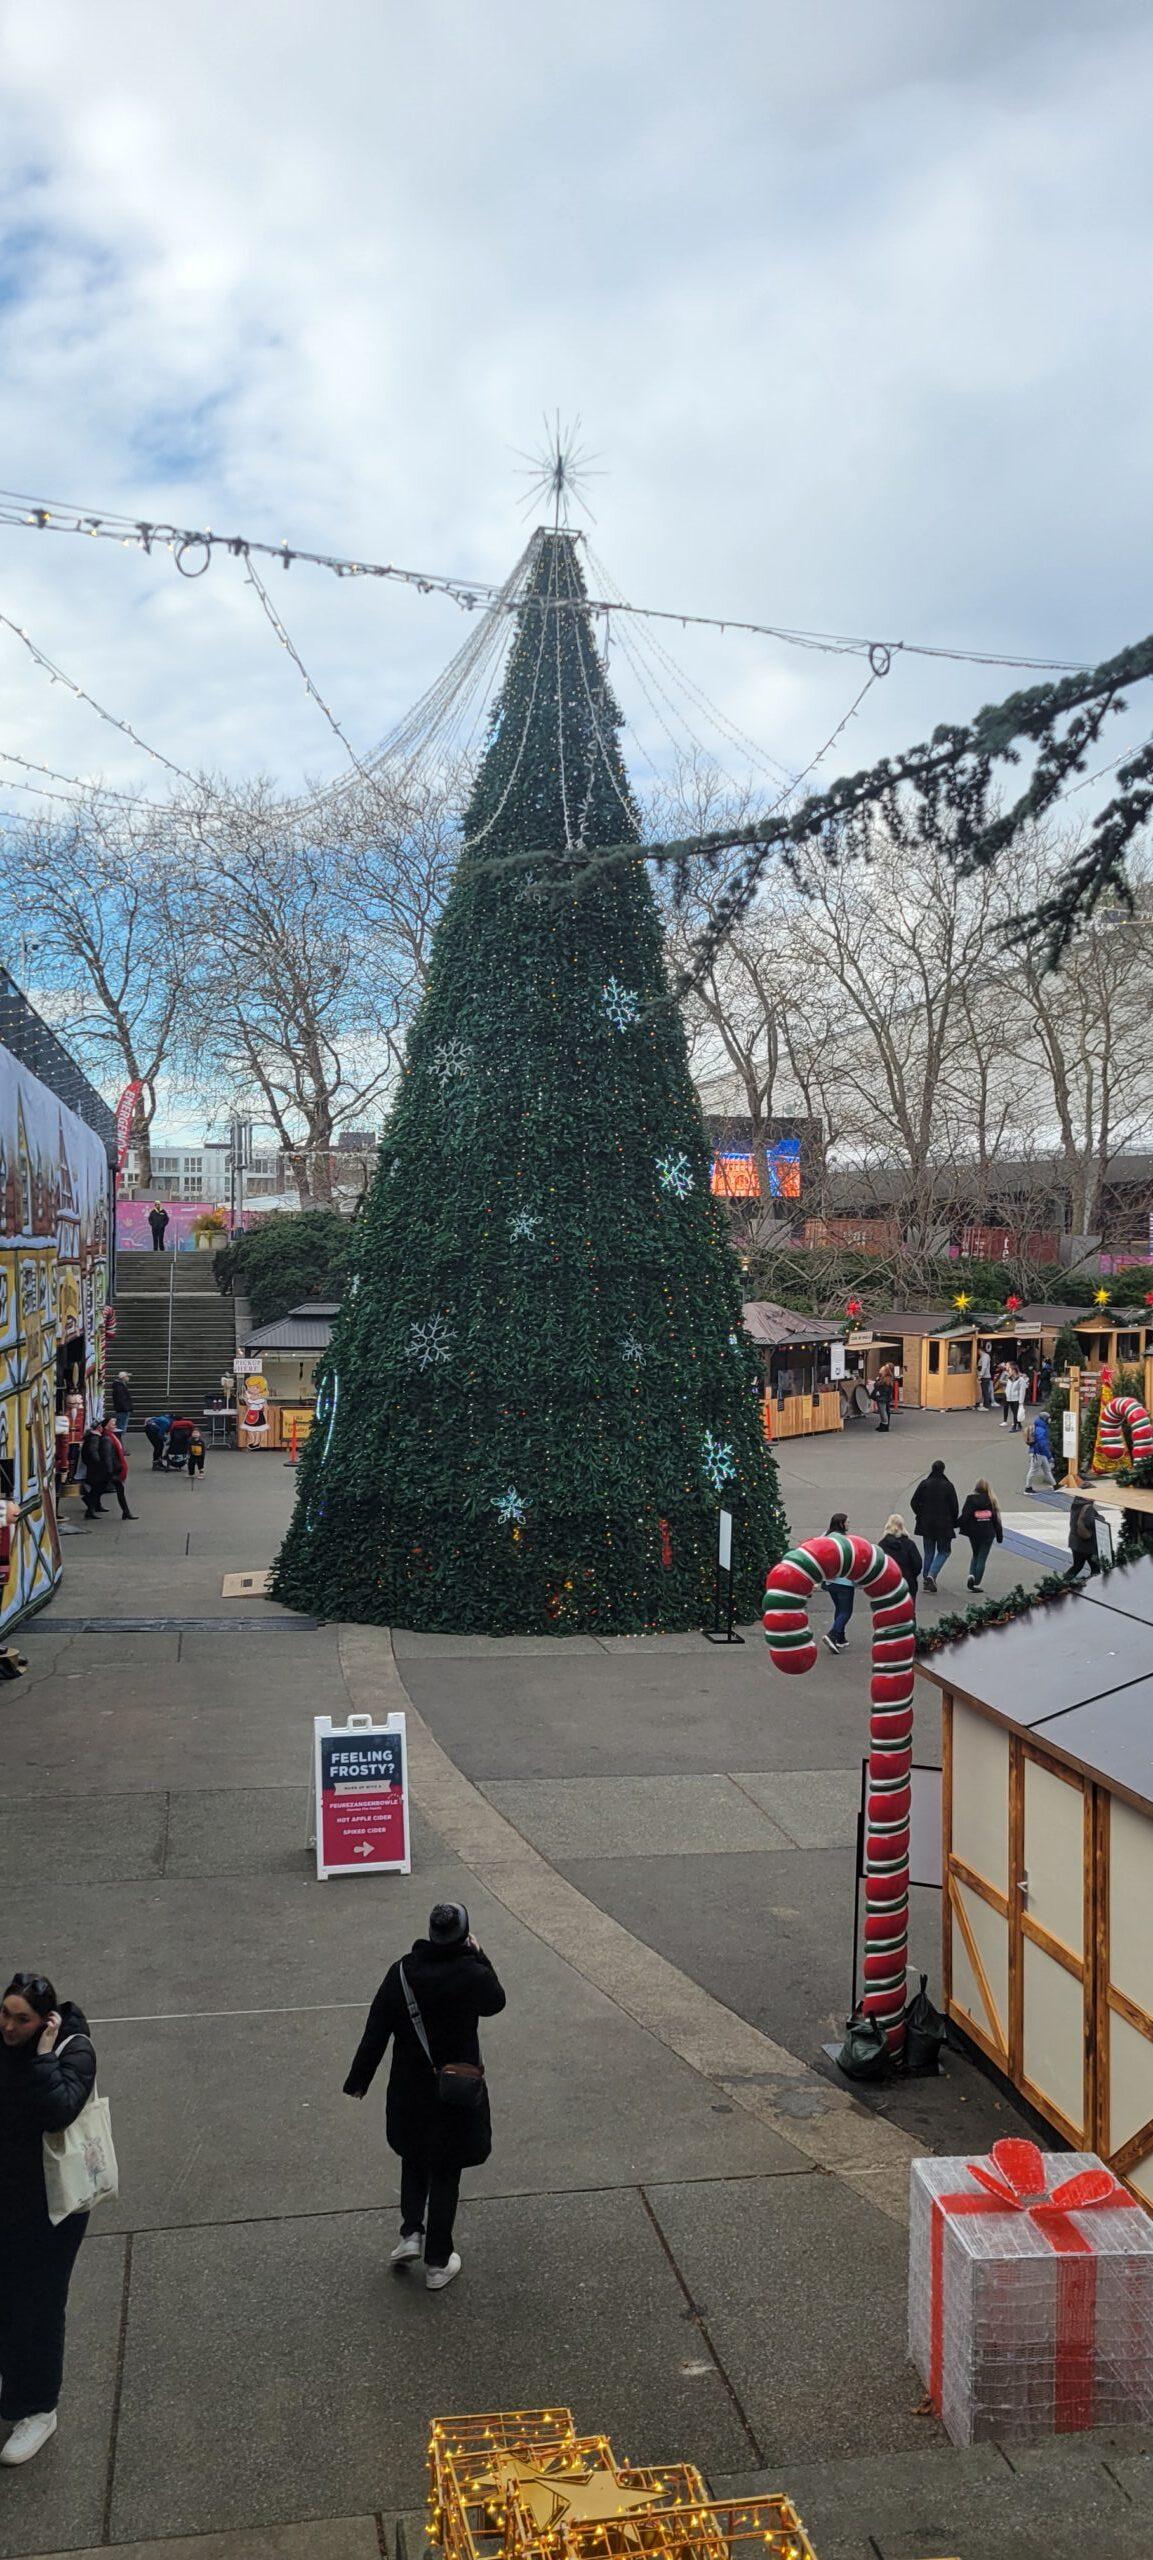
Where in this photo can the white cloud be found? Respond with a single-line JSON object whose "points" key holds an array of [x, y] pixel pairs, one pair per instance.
{"points": [[852, 298]]}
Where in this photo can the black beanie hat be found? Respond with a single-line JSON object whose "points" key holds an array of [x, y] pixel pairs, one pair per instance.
{"points": [[448, 1924]]}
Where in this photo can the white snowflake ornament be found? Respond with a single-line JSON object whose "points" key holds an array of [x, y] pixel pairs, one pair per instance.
{"points": [[523, 1226], [631, 1349], [717, 1461], [430, 1342], [509, 1507], [452, 1063], [621, 1004], [676, 1175]]}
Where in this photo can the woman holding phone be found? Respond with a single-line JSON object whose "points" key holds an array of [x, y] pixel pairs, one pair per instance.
{"points": [[47, 2074]]}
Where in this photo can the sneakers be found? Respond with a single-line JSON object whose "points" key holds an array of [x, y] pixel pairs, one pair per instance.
{"points": [[930, 1582], [833, 1645], [435, 2278], [30, 2433], [410, 2245]]}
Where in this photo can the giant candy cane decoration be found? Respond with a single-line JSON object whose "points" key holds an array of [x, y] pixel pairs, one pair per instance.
{"points": [[793, 1648], [1120, 1415]]}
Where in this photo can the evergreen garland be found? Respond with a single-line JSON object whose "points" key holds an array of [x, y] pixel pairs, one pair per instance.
{"points": [[539, 1391], [943, 789]]}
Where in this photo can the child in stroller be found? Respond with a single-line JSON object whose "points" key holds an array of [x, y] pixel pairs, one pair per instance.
{"points": [[176, 1453]]}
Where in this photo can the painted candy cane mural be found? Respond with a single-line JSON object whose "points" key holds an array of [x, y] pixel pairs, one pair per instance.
{"points": [[1123, 1420], [793, 1648]]}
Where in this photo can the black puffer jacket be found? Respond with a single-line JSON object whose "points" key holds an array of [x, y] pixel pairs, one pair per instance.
{"points": [[936, 1509], [453, 1988], [39, 2093], [905, 1552]]}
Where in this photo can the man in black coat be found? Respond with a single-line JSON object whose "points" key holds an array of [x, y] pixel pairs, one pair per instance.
{"points": [[436, 2113], [936, 1512], [158, 1221]]}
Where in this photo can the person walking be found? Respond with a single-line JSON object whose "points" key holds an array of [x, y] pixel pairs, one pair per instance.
{"points": [[1083, 1519], [1040, 1446], [47, 2074], [436, 2112], [936, 1512], [156, 1431], [122, 1401], [842, 1594], [196, 1454], [904, 1550], [1016, 1390], [980, 1523], [158, 1221], [92, 1474], [116, 1461], [985, 1379], [884, 1390]]}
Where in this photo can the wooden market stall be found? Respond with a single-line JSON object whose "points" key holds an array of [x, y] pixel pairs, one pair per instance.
{"points": [[1047, 1859], [286, 1354], [1112, 1336], [933, 1352], [798, 1357]]}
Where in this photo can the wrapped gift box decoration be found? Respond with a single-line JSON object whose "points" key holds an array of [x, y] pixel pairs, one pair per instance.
{"points": [[1030, 2294]]}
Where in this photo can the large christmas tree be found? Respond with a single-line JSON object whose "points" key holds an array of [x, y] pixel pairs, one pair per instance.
{"points": [[538, 1392]]}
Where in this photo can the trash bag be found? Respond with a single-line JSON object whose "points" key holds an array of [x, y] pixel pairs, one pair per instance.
{"points": [[926, 2032], [864, 2054]]}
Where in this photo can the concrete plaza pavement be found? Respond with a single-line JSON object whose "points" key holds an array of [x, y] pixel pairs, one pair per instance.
{"points": [[686, 2232]]}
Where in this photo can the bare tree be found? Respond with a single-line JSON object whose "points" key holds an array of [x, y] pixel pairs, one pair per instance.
{"points": [[97, 917], [1084, 1028], [293, 1003]]}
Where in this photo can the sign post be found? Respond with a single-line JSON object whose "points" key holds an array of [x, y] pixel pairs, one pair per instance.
{"points": [[716, 1634], [360, 1796]]}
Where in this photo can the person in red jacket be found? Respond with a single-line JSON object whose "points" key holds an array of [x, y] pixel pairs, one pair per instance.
{"points": [[116, 1460]]}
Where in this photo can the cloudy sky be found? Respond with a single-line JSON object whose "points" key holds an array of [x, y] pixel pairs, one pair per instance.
{"points": [[852, 297]]}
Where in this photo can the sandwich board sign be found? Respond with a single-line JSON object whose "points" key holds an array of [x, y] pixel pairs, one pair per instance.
{"points": [[360, 1796]]}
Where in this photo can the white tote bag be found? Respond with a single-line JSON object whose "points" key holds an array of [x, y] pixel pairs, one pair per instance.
{"points": [[80, 2160]]}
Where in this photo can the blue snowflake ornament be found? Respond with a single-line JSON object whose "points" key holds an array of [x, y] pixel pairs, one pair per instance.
{"points": [[621, 1004], [718, 1463], [675, 1174], [509, 1507]]}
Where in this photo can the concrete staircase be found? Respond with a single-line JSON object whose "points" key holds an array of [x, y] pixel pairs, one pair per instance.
{"points": [[175, 1334]]}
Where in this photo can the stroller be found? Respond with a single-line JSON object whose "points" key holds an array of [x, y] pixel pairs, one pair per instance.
{"points": [[176, 1449]]}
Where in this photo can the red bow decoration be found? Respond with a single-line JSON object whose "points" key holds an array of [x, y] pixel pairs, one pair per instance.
{"points": [[1012, 1305], [1014, 2176], [1017, 2178], [854, 1306]]}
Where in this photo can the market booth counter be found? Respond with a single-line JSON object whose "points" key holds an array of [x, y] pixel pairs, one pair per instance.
{"points": [[1047, 1860], [799, 1353]]}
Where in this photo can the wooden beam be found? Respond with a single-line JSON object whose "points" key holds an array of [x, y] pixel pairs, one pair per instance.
{"points": [[980, 1885], [973, 1952], [1134, 2151], [1128, 2009], [1039, 1936]]}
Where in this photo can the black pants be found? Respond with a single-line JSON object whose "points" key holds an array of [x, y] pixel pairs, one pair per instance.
{"points": [[93, 1496], [157, 1242], [36, 2263], [155, 1441], [122, 1498], [438, 2192]]}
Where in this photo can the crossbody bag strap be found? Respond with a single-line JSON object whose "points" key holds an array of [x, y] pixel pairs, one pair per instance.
{"points": [[417, 2020]]}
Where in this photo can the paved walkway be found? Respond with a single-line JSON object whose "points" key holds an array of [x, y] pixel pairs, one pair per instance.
{"points": [[686, 2231]]}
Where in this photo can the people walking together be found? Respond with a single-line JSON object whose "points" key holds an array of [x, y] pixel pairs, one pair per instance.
{"points": [[842, 1594], [981, 1524], [1040, 1445], [904, 1550], [158, 1221], [936, 1512], [116, 1465], [437, 2115], [884, 1391], [47, 2074], [1016, 1391], [92, 1472]]}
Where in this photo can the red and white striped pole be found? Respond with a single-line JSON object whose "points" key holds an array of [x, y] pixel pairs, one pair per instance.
{"points": [[791, 1583]]}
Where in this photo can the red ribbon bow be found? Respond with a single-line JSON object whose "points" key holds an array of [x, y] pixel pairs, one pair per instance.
{"points": [[1014, 2178]]}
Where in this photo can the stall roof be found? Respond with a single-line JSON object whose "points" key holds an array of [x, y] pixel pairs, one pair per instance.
{"points": [[1076, 1675], [775, 1326], [306, 1328]]}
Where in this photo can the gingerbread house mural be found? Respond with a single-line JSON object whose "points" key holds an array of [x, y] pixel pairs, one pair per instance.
{"points": [[55, 1168]]}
